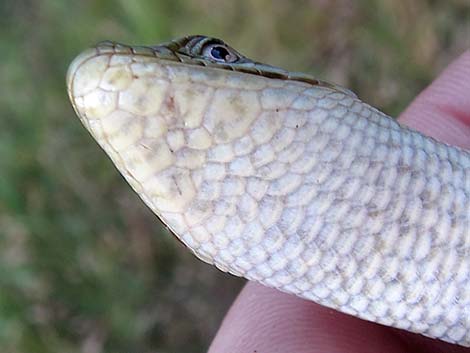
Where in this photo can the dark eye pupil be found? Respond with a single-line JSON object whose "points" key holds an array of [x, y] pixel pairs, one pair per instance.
{"points": [[219, 53]]}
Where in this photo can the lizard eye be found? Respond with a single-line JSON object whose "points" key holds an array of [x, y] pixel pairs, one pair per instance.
{"points": [[220, 53]]}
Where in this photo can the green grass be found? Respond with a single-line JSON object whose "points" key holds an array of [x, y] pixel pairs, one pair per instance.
{"points": [[84, 266]]}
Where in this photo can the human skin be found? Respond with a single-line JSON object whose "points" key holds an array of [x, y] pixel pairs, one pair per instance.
{"points": [[264, 320]]}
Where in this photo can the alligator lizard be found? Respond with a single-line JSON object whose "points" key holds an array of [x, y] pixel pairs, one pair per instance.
{"points": [[286, 180]]}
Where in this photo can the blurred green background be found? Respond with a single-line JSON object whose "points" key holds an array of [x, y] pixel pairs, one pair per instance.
{"points": [[84, 266]]}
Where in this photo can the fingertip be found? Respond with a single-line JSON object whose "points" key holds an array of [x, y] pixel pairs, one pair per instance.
{"points": [[266, 320], [442, 110]]}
